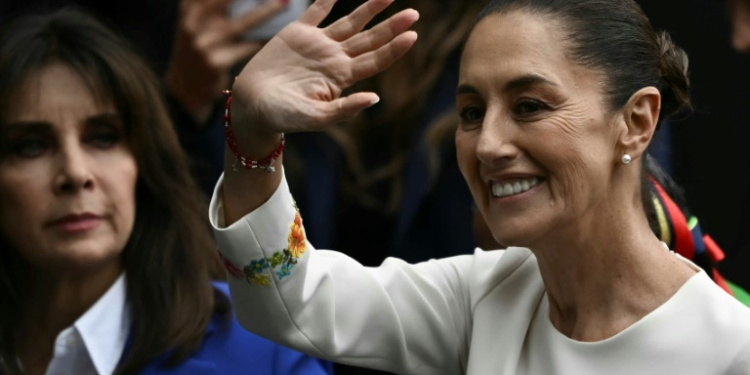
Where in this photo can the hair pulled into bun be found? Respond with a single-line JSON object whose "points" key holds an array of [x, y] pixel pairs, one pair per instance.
{"points": [[675, 84], [616, 38]]}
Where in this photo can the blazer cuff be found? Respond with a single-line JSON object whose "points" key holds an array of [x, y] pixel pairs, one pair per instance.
{"points": [[264, 246]]}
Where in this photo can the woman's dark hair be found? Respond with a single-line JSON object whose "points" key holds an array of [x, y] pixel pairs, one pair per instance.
{"points": [[616, 38], [170, 254]]}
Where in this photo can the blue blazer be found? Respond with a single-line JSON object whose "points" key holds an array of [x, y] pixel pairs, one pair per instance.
{"points": [[228, 349]]}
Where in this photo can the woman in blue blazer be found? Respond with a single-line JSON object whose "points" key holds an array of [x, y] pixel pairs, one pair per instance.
{"points": [[228, 349], [106, 259]]}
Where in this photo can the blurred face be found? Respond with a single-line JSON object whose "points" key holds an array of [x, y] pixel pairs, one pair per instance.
{"points": [[739, 16], [67, 175], [535, 143]]}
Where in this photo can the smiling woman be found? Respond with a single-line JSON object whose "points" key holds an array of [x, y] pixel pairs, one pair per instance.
{"points": [[558, 100], [106, 259]]}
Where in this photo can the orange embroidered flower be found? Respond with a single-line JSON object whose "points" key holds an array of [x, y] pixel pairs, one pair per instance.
{"points": [[297, 237]]}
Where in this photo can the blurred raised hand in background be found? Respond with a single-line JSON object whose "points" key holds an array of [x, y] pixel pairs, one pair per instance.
{"points": [[208, 43]]}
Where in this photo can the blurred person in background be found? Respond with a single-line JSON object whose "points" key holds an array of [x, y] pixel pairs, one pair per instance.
{"points": [[192, 46], [105, 254], [208, 43]]}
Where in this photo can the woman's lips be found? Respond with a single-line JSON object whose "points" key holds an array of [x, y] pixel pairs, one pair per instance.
{"points": [[78, 223]]}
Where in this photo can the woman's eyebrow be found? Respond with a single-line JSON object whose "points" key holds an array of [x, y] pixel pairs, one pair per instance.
{"points": [[25, 126], [526, 81], [104, 118], [40, 125], [466, 89], [512, 85]]}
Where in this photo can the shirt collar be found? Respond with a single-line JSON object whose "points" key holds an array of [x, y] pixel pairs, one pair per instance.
{"points": [[105, 326]]}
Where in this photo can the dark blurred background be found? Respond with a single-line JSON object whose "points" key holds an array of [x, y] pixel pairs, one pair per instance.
{"points": [[710, 152]]}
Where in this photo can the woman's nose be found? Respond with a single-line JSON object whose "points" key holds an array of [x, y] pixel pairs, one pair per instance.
{"points": [[74, 172], [496, 145]]}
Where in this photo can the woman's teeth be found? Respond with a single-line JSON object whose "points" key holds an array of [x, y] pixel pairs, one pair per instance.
{"points": [[513, 188]]}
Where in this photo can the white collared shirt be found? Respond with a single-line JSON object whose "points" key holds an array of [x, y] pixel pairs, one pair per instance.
{"points": [[94, 344]]}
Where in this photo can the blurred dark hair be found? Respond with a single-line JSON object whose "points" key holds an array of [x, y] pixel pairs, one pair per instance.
{"points": [[170, 254]]}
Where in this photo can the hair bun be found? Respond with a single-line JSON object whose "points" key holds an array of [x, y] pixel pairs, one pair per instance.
{"points": [[675, 85]]}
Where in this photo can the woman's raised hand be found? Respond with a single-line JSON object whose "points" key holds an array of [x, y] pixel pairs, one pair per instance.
{"points": [[295, 82]]}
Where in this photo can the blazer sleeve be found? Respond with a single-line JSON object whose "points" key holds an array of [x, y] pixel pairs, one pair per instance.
{"points": [[397, 317]]}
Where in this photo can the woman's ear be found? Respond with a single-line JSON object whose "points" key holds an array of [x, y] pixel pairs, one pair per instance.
{"points": [[641, 115]]}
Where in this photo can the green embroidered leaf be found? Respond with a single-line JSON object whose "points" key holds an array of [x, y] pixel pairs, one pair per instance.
{"points": [[276, 259]]}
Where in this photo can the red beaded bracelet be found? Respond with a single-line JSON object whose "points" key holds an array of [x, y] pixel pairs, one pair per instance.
{"points": [[265, 163]]}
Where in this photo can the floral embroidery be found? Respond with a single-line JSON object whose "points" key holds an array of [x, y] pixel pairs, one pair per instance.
{"points": [[255, 272], [262, 280], [276, 259], [259, 265], [297, 237], [285, 270]]}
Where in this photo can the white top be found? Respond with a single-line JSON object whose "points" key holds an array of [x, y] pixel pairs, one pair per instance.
{"points": [[485, 313], [93, 345]]}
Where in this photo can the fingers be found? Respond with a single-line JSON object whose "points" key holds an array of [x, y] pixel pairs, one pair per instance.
{"points": [[258, 16], [317, 12], [344, 108], [371, 63], [350, 25], [381, 34], [220, 30], [217, 7], [197, 11]]}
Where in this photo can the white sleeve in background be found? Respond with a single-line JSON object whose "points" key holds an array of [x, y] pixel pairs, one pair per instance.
{"points": [[398, 317]]}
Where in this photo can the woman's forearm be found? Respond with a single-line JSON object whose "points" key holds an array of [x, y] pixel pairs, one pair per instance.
{"points": [[244, 189]]}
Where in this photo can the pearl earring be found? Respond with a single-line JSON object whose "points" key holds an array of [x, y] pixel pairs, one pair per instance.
{"points": [[626, 159]]}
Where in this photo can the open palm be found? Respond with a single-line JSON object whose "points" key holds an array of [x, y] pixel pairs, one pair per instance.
{"points": [[295, 82]]}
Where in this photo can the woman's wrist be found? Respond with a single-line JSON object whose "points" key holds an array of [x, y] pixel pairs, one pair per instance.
{"points": [[250, 147]]}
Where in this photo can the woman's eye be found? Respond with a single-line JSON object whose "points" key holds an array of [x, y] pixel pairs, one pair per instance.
{"points": [[29, 148], [471, 114], [529, 107], [105, 140]]}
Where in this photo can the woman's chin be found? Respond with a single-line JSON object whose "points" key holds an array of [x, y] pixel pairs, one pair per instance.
{"points": [[78, 258]]}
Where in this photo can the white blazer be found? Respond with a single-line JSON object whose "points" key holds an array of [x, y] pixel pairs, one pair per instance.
{"points": [[485, 313]]}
